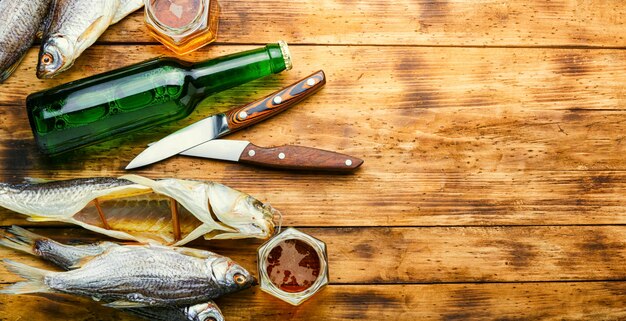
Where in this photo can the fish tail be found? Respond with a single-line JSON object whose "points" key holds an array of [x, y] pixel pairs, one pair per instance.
{"points": [[20, 239], [35, 277]]}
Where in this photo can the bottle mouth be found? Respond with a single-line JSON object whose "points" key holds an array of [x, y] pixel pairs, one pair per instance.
{"points": [[284, 49]]}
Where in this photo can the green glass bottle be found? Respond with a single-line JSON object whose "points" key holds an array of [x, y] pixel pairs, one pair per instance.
{"points": [[140, 96]]}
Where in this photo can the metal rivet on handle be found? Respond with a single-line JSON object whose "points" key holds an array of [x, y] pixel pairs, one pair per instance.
{"points": [[310, 82], [278, 100], [348, 162], [243, 115], [251, 153], [281, 155]]}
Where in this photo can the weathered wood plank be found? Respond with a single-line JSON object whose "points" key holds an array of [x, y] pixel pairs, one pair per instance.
{"points": [[436, 255], [374, 78], [420, 102], [468, 136], [422, 109], [415, 22], [410, 199], [526, 301]]}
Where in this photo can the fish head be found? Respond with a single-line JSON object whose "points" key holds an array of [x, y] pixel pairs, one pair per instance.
{"points": [[54, 56], [230, 275], [205, 312], [242, 212], [260, 216]]}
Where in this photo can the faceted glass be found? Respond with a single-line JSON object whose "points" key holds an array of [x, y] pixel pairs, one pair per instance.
{"points": [[286, 290], [182, 25]]}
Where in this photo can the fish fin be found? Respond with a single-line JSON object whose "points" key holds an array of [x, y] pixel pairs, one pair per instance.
{"points": [[89, 29], [35, 277], [21, 240], [9, 71], [138, 180], [216, 234], [123, 304], [199, 231], [37, 180], [38, 218], [47, 20], [82, 261], [125, 8]]}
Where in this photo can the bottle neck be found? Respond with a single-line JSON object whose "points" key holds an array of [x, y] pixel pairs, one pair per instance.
{"points": [[225, 72]]}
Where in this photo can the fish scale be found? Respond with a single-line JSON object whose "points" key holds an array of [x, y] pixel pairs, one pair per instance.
{"points": [[19, 22], [140, 209], [34, 197], [166, 275], [66, 257], [75, 14], [74, 26]]}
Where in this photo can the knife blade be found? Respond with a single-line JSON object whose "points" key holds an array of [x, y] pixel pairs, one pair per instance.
{"points": [[282, 157], [233, 120]]}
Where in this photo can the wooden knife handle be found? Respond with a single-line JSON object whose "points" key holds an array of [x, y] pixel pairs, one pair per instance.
{"points": [[273, 104], [299, 157]]}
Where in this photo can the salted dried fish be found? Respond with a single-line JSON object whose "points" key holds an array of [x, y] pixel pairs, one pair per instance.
{"points": [[74, 26], [19, 23], [64, 256], [200, 312], [139, 276], [68, 257], [167, 211]]}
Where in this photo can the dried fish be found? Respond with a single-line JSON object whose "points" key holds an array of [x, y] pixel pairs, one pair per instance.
{"points": [[167, 211], [139, 276], [67, 257], [200, 312], [74, 26], [19, 23], [64, 256]]}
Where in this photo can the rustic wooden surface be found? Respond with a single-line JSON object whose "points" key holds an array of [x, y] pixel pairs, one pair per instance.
{"points": [[492, 132]]}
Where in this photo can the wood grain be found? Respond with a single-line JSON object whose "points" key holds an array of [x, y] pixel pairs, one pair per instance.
{"points": [[274, 103], [299, 158], [374, 79], [523, 301], [436, 255], [410, 22], [450, 136], [492, 133]]}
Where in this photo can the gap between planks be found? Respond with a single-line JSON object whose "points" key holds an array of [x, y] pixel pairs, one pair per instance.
{"points": [[312, 44]]}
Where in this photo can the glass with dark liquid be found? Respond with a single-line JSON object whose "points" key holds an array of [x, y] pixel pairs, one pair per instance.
{"points": [[293, 266], [182, 25]]}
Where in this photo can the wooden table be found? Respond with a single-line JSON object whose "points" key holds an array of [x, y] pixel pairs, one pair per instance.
{"points": [[493, 137]]}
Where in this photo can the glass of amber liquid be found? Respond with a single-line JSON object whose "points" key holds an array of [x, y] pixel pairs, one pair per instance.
{"points": [[182, 25], [293, 266]]}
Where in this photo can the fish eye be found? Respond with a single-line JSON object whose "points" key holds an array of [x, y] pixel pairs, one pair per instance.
{"points": [[239, 279], [47, 59], [258, 205]]}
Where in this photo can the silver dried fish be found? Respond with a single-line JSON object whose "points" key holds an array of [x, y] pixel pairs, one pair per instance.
{"points": [[67, 257], [19, 23], [167, 211], [138, 276], [74, 26]]}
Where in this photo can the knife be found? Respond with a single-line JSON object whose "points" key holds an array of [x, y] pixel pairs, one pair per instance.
{"points": [[285, 157], [233, 120]]}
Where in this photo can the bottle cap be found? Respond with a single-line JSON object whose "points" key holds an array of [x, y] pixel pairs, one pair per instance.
{"points": [[286, 54]]}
